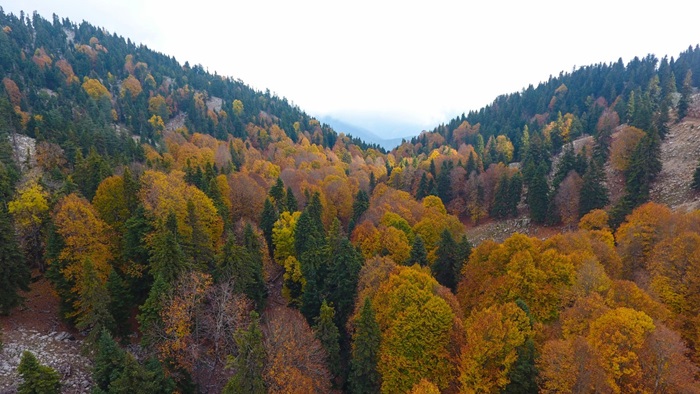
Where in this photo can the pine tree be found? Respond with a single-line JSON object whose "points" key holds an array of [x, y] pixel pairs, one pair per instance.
{"points": [[340, 285], [686, 91], [278, 195], [446, 268], [248, 365], [696, 179], [423, 187], [268, 218], [418, 253], [500, 208], [109, 359], [37, 378], [364, 378], [538, 194], [167, 259], [92, 310], [594, 194], [254, 286], [359, 206], [327, 333], [291, 205], [199, 248], [120, 303], [149, 317], [515, 190], [14, 272]]}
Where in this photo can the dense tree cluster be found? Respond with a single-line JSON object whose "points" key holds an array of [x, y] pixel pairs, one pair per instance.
{"points": [[259, 251]]}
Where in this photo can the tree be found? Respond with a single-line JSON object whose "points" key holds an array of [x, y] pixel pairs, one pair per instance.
{"points": [[567, 199], [291, 205], [538, 194], [249, 364], [14, 272], [267, 222], [30, 210], [359, 206], [37, 378], [418, 253], [167, 257], [92, 308], [686, 91], [493, 336], [327, 333], [364, 378], [594, 194], [447, 266]]}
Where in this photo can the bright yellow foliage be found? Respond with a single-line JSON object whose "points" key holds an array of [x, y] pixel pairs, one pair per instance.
{"points": [[95, 89]]}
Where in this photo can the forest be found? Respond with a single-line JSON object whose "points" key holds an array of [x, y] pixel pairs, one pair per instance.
{"points": [[205, 237]]}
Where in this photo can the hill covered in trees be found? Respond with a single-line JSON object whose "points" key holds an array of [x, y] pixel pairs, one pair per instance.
{"points": [[206, 237]]}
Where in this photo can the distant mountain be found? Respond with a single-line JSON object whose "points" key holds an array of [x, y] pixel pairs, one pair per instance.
{"points": [[362, 133]]}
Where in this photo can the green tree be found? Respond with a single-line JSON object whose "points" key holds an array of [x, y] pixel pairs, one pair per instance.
{"points": [[267, 221], [359, 206], [255, 283], [418, 253], [14, 272], [364, 378], [167, 258], [327, 333], [594, 194], [249, 364], [199, 248], [37, 378], [686, 91], [538, 194], [93, 309], [292, 205], [447, 266]]}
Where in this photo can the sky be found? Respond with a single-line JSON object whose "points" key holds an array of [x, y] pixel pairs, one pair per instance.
{"points": [[393, 67]]}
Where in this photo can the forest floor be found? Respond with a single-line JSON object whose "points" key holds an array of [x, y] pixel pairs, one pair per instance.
{"points": [[36, 327]]}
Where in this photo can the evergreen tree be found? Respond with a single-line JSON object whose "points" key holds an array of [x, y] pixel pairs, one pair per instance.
{"points": [[359, 206], [255, 281], [309, 233], [109, 359], [292, 205], [278, 195], [37, 378], [93, 309], [199, 248], [327, 333], [120, 303], [686, 91], [149, 317], [500, 208], [418, 253], [423, 187], [523, 373], [364, 378], [447, 267], [249, 364], [443, 184], [696, 179], [594, 194], [372, 182], [268, 218], [340, 287], [538, 194], [515, 190], [14, 272], [167, 259]]}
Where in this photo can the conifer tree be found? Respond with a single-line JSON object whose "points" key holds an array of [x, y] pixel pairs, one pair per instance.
{"points": [[327, 333], [696, 179], [254, 286], [268, 218], [538, 194], [248, 365], [199, 248], [37, 378], [500, 208], [447, 267], [364, 378], [92, 310], [167, 259], [686, 91], [340, 285], [418, 253], [359, 206], [515, 190], [14, 272], [292, 205], [109, 359], [594, 194], [423, 187], [278, 194]]}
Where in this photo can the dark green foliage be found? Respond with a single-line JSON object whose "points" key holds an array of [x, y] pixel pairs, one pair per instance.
{"points": [[89, 172], [248, 365], [149, 313], [594, 194], [37, 378], [14, 272], [515, 190], [327, 333], [538, 195], [242, 266], [199, 249], [255, 282], [523, 373], [267, 221], [117, 371], [448, 265], [309, 234], [359, 206], [279, 195], [364, 378], [423, 187], [696, 179], [120, 303], [292, 205], [443, 184], [501, 207], [418, 253], [686, 91], [167, 258], [94, 311]]}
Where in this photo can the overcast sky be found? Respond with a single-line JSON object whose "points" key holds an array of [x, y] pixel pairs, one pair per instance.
{"points": [[367, 62]]}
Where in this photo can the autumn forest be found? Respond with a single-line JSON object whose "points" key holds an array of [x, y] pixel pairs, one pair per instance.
{"points": [[200, 236]]}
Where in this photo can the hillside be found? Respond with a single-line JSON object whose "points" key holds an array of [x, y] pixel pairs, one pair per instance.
{"points": [[186, 233]]}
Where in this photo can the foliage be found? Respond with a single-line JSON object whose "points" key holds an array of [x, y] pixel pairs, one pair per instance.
{"points": [[37, 378]]}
